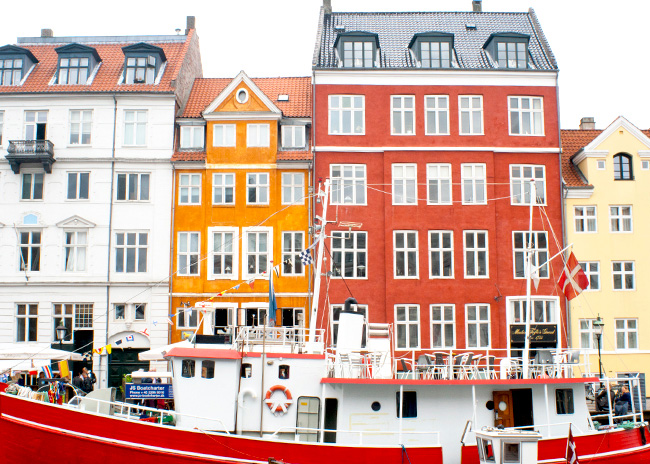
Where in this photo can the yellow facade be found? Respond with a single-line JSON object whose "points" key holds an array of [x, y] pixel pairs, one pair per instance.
{"points": [[623, 255], [250, 231]]}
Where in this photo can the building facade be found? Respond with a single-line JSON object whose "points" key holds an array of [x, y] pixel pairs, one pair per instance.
{"points": [[241, 206], [430, 127], [87, 131]]}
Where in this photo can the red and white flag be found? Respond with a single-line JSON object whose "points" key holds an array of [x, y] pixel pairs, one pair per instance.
{"points": [[571, 454], [573, 279]]}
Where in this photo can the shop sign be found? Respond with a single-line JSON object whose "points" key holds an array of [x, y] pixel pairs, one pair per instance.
{"points": [[149, 391], [539, 333]]}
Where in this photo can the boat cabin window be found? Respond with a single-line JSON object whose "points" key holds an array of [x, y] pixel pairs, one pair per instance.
{"points": [[187, 368], [511, 453], [410, 408], [283, 371], [564, 401], [485, 451], [246, 371], [207, 369]]}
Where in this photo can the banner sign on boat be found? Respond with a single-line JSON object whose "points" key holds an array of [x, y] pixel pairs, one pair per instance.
{"points": [[540, 334], [149, 391]]}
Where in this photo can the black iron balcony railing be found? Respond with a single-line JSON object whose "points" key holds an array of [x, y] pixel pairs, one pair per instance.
{"points": [[30, 151]]}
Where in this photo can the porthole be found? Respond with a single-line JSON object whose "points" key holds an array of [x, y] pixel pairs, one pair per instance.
{"points": [[376, 406], [242, 96]]}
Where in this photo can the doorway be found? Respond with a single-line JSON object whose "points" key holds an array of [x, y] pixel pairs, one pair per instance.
{"points": [[122, 362], [503, 414], [331, 419], [522, 400]]}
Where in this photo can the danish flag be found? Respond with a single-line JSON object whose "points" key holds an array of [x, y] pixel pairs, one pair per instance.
{"points": [[573, 279], [571, 455]]}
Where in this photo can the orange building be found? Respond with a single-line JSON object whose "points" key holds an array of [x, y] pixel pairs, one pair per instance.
{"points": [[241, 205]]}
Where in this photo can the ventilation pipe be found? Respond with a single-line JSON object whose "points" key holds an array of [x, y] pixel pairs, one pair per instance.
{"points": [[477, 6]]}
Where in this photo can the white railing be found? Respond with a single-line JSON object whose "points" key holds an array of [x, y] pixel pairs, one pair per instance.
{"points": [[360, 433], [633, 385], [292, 337]]}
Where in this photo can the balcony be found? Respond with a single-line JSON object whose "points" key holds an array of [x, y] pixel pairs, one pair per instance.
{"points": [[30, 152]]}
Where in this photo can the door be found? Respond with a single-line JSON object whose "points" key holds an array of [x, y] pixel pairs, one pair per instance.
{"points": [[503, 409], [124, 362], [331, 419]]}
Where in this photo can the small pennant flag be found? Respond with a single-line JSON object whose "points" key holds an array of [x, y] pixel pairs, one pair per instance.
{"points": [[571, 454], [109, 349], [130, 338], [64, 370], [573, 279], [47, 371], [144, 332], [236, 287], [250, 283], [118, 342], [305, 257]]}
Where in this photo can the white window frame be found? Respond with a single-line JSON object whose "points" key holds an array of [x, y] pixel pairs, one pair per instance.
{"points": [[432, 108], [400, 111], [224, 186], [443, 322], [441, 251], [186, 313], [546, 307], [189, 185], [258, 135], [645, 164], [407, 322], [478, 322], [341, 183], [188, 253], [125, 247], [476, 182], [293, 136], [623, 273], [129, 176], [471, 110], [192, 137], [521, 182], [32, 184], [138, 126], [443, 183], [409, 254], [83, 121], [534, 115], [405, 177], [476, 251], [226, 136], [539, 254], [292, 253], [601, 165], [584, 217], [591, 270], [590, 331], [259, 185], [626, 331], [293, 188], [212, 253], [130, 312], [618, 217], [32, 247], [40, 117], [337, 107], [245, 252], [77, 175], [356, 252], [78, 252], [29, 320]]}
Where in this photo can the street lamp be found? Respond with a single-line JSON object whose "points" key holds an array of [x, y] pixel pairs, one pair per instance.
{"points": [[598, 331], [61, 332]]}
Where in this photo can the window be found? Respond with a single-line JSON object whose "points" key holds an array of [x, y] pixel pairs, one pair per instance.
{"points": [[242, 95], [526, 115], [140, 311], [627, 334], [26, 322], [131, 251], [476, 254], [620, 218], [187, 318], [78, 184], [623, 167], [443, 326], [136, 311], [35, 125], [521, 242], [406, 254], [436, 109], [346, 114], [645, 164], [73, 71], [188, 367], [11, 71], [512, 54], [135, 127], [563, 401], [223, 135], [407, 326], [75, 247], [293, 188], [405, 184], [132, 187], [623, 275], [511, 453], [256, 316], [349, 254], [189, 189], [191, 137], [188, 253], [207, 369], [283, 371], [588, 339], [434, 54], [478, 326], [520, 177], [223, 253], [223, 189], [441, 254], [30, 251], [257, 188], [410, 407], [83, 316], [600, 165], [32, 186], [257, 135], [402, 115], [257, 251], [293, 136], [592, 271], [439, 184], [348, 184], [64, 315], [473, 181], [140, 70], [471, 114], [543, 310], [336, 314], [292, 244], [358, 54], [2, 116], [585, 218], [80, 127]]}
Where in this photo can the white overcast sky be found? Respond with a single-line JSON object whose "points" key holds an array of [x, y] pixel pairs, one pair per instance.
{"points": [[601, 45]]}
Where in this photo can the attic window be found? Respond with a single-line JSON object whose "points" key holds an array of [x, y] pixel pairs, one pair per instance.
{"points": [[433, 49], [142, 63], [76, 63], [15, 62], [283, 98], [242, 96], [508, 49], [357, 49], [471, 26]]}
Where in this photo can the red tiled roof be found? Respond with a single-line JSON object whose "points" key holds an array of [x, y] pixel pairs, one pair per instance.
{"points": [[108, 74], [573, 140], [189, 156], [205, 91], [295, 156]]}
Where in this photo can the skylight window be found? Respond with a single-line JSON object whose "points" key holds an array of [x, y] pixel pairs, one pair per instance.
{"points": [[283, 98]]}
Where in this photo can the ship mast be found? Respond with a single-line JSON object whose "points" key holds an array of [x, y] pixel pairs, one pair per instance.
{"points": [[324, 194], [529, 269]]}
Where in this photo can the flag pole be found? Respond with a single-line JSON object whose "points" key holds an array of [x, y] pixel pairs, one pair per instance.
{"points": [[319, 259], [529, 269]]}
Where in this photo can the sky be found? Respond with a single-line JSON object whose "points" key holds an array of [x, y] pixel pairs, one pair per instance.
{"points": [[600, 45]]}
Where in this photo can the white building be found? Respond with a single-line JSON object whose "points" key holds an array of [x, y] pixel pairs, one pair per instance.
{"points": [[86, 138]]}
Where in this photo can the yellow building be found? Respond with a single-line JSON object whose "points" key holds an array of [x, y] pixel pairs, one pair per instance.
{"points": [[607, 179], [241, 205]]}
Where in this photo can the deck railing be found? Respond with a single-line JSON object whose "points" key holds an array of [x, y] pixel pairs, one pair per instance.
{"points": [[291, 337], [360, 433], [30, 147]]}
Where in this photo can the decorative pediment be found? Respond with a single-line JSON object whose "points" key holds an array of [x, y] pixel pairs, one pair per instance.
{"points": [[144, 48], [591, 149], [246, 101], [12, 50], [75, 48], [75, 222], [30, 220]]}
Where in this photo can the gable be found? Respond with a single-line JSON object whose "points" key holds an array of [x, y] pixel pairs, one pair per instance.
{"points": [[75, 222]]}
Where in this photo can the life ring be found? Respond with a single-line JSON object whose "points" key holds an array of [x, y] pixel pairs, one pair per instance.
{"points": [[278, 406]]}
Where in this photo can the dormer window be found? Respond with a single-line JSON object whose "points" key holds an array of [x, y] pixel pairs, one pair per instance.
{"points": [[142, 63], [509, 50], [76, 63], [433, 49], [357, 49], [15, 62]]}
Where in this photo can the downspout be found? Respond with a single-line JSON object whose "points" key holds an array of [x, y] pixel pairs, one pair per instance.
{"points": [[171, 252]]}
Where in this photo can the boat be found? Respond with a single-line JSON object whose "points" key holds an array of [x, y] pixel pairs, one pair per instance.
{"points": [[282, 394]]}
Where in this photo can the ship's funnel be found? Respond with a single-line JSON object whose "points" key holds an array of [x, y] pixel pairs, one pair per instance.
{"points": [[350, 333]]}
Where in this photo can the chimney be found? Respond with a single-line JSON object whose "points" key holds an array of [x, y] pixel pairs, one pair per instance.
{"points": [[191, 24], [327, 6], [47, 33], [477, 5], [587, 123]]}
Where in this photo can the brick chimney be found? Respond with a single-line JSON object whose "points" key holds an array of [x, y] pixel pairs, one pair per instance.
{"points": [[47, 33], [477, 5], [587, 123], [327, 6], [191, 24]]}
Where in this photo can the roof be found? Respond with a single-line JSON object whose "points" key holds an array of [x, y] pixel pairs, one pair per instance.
{"points": [[396, 30], [206, 90], [189, 156], [110, 70], [295, 156]]}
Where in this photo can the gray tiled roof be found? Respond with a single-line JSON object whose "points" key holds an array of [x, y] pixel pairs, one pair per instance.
{"points": [[395, 31]]}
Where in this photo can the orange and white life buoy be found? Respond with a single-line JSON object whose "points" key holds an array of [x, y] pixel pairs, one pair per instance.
{"points": [[278, 406]]}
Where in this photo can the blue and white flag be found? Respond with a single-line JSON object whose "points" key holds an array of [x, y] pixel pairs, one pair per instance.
{"points": [[305, 257]]}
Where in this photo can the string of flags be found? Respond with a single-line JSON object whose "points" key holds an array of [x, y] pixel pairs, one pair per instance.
{"points": [[107, 349]]}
